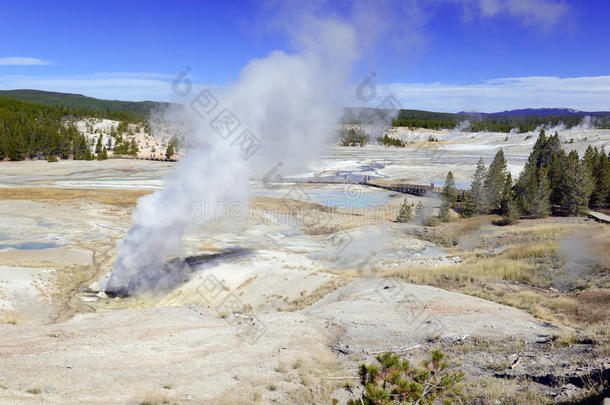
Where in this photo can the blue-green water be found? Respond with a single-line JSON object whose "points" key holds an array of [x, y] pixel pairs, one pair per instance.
{"points": [[343, 197]]}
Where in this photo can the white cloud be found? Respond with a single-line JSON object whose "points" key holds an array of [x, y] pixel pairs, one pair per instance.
{"points": [[543, 13], [22, 61], [588, 93]]}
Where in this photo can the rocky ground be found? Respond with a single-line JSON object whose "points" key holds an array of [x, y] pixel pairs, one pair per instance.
{"points": [[151, 144], [283, 304]]}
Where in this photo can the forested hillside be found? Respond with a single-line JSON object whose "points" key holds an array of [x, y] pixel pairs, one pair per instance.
{"points": [[492, 122], [131, 111], [519, 120], [29, 130]]}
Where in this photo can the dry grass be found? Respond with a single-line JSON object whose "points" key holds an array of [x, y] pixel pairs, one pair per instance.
{"points": [[565, 338], [452, 233], [130, 302], [488, 345], [499, 365], [315, 387], [119, 198], [527, 251], [490, 390], [10, 318], [520, 275], [302, 381], [316, 295], [597, 241], [469, 271], [155, 398], [532, 257], [247, 282]]}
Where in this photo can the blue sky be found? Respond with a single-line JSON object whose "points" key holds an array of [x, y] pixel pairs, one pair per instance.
{"points": [[447, 55]]}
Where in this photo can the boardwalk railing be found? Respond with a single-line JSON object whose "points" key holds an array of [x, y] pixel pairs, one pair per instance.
{"points": [[405, 188], [416, 189]]}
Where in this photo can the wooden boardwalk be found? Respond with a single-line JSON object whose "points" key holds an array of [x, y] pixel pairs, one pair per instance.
{"points": [[416, 189], [405, 188], [599, 217]]}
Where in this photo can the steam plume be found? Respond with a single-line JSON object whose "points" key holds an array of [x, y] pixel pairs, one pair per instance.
{"points": [[287, 101]]}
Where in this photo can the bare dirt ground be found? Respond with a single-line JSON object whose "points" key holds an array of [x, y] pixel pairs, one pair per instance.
{"points": [[284, 303]]}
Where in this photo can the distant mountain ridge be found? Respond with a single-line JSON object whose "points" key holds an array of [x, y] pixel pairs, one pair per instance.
{"points": [[538, 112], [143, 108]]}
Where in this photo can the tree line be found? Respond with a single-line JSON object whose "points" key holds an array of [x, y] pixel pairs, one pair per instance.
{"points": [[353, 137], [130, 111], [389, 141], [551, 180], [429, 120], [29, 130]]}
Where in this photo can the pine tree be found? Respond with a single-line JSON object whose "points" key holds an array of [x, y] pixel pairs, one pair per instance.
{"points": [[103, 155], [577, 186], [495, 180], [122, 127], [511, 213], [98, 145], [555, 173], [170, 150], [507, 194], [590, 158], [12, 148], [508, 207], [449, 191], [541, 205], [420, 213], [406, 212], [444, 213], [449, 198], [467, 205], [477, 193], [599, 165], [537, 155], [603, 178], [133, 148], [528, 191]]}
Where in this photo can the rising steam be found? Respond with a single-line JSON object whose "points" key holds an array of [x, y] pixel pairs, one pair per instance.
{"points": [[290, 102]]}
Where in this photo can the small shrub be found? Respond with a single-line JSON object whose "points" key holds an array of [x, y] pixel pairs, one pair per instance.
{"points": [[389, 141], [420, 213], [432, 221], [511, 214], [406, 212], [353, 137], [395, 381], [444, 212], [10, 318]]}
